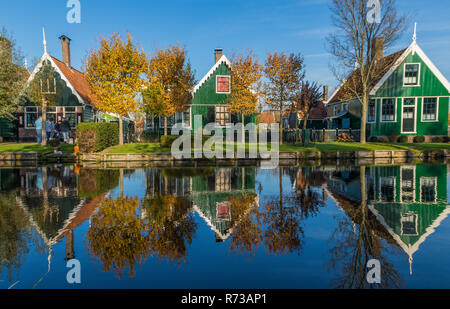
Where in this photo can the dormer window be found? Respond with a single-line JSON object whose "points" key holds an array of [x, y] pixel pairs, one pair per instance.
{"points": [[412, 73], [48, 86], [223, 84]]}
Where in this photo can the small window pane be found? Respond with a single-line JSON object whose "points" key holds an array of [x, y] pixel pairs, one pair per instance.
{"points": [[371, 117], [223, 84], [388, 110], [411, 74], [430, 109]]}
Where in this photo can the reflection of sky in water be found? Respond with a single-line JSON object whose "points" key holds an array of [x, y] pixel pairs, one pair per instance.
{"points": [[213, 265]]}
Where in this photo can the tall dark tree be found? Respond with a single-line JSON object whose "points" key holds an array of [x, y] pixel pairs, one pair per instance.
{"points": [[12, 75], [359, 29], [308, 99]]}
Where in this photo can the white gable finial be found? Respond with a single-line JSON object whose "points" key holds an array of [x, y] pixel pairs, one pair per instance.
{"points": [[44, 42], [26, 63], [415, 33]]}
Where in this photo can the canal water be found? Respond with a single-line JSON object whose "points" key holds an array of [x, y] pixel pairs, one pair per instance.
{"points": [[291, 227]]}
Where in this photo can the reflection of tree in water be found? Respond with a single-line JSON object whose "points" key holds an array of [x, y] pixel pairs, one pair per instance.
{"points": [[118, 236], [14, 231], [171, 226], [356, 242], [247, 233], [278, 224]]}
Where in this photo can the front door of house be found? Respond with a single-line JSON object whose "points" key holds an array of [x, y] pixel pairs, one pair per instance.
{"points": [[409, 116]]}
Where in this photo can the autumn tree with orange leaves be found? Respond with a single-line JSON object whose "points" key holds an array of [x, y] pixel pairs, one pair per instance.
{"points": [[115, 73], [170, 83], [284, 74], [246, 76]]}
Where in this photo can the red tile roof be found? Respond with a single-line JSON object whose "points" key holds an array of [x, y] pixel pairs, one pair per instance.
{"points": [[343, 92], [77, 79]]}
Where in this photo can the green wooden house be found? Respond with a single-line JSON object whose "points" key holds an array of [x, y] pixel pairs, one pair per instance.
{"points": [[75, 102], [409, 202], [209, 101], [411, 98]]}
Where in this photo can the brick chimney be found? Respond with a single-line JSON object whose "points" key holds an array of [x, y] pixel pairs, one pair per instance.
{"points": [[65, 43], [325, 93], [218, 53], [5, 48], [377, 48]]}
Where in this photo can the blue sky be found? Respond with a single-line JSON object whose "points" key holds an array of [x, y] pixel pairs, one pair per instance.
{"points": [[202, 25]]}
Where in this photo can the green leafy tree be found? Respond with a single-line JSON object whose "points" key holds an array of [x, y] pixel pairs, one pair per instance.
{"points": [[12, 75]]}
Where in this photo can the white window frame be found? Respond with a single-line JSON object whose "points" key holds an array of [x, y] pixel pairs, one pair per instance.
{"points": [[408, 167], [227, 112], [229, 81], [437, 109], [394, 188], [395, 111], [418, 75], [161, 119], [375, 115], [415, 117], [25, 112], [402, 221], [435, 189]]}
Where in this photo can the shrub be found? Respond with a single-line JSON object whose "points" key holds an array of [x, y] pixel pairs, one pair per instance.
{"points": [[437, 139], [94, 183], [373, 139], [383, 139], [393, 138], [54, 143], [403, 139], [149, 136], [96, 137], [167, 141], [419, 139], [345, 138]]}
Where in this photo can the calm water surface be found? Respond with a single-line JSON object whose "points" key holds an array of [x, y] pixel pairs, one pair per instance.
{"points": [[292, 227]]}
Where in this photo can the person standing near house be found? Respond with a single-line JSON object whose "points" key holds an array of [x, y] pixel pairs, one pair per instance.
{"points": [[38, 126], [65, 128], [49, 128]]}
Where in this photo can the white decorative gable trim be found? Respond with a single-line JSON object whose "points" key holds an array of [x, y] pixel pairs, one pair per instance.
{"points": [[224, 60], [414, 48], [46, 56]]}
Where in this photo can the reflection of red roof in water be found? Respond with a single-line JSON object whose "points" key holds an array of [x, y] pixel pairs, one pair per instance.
{"points": [[77, 79], [85, 212]]}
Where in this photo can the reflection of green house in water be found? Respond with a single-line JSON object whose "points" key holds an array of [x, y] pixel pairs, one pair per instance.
{"points": [[50, 200], [410, 202], [209, 191]]}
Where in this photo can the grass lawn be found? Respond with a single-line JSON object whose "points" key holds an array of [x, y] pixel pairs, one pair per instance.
{"points": [[317, 147], [32, 147]]}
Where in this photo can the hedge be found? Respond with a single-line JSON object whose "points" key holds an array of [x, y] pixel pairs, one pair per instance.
{"points": [[96, 137], [94, 183]]}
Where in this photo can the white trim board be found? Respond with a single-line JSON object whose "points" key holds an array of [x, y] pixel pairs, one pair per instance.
{"points": [[414, 47], [46, 56], [224, 60]]}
